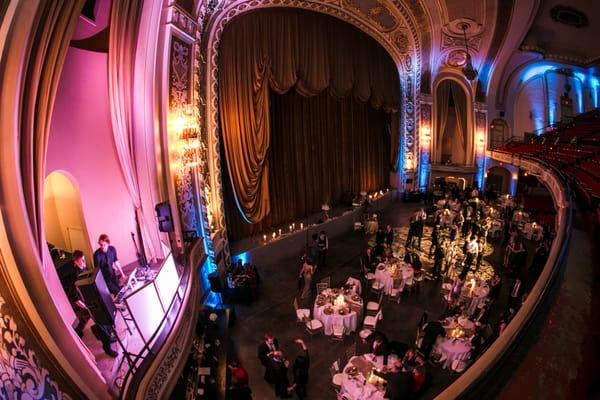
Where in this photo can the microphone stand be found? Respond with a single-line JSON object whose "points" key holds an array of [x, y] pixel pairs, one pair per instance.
{"points": [[141, 258]]}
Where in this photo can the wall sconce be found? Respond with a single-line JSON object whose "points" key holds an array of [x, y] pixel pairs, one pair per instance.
{"points": [[480, 141], [425, 137], [515, 177], [184, 132]]}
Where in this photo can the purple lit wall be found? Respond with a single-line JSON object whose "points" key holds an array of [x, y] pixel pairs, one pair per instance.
{"points": [[81, 143]]}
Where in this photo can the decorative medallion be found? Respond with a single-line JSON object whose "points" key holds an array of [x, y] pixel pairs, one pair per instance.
{"points": [[410, 125], [410, 108], [401, 41], [569, 16], [456, 58], [408, 62]]}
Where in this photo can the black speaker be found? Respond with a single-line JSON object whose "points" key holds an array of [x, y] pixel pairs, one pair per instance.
{"points": [[94, 292], [164, 216], [215, 282]]}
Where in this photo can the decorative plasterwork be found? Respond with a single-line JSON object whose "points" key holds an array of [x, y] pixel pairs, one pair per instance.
{"points": [[183, 21], [21, 375], [401, 40], [376, 11]]}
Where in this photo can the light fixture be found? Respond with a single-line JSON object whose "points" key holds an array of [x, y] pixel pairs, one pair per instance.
{"points": [[468, 70]]}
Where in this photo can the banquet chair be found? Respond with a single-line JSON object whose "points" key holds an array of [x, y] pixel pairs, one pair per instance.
{"points": [[321, 286], [370, 321], [326, 280], [396, 291], [338, 332], [458, 366], [336, 375], [373, 307], [301, 313], [376, 287], [313, 326]]}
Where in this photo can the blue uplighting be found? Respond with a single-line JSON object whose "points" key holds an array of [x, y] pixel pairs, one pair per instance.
{"points": [[580, 76], [594, 83], [535, 70], [424, 170], [551, 113], [244, 257]]}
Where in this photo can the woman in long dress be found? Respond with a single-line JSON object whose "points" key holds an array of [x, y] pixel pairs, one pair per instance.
{"points": [[307, 272]]}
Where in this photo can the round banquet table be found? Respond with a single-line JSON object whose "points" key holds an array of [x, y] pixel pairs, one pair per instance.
{"points": [[384, 276], [451, 349], [348, 320], [477, 297], [356, 387]]}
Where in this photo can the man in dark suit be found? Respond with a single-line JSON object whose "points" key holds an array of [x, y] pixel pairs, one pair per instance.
{"points": [[432, 330], [368, 259], [378, 346], [266, 350], [399, 383]]}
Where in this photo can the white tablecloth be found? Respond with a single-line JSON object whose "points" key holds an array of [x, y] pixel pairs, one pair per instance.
{"points": [[349, 321], [357, 388], [479, 295], [453, 350], [384, 276]]}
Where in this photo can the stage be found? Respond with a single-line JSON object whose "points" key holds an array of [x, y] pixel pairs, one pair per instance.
{"points": [[341, 221]]}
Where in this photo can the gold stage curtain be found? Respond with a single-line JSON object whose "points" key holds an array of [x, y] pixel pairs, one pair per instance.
{"points": [[320, 148], [283, 49]]}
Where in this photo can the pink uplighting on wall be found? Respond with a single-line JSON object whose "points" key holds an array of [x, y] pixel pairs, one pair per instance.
{"points": [[81, 143]]}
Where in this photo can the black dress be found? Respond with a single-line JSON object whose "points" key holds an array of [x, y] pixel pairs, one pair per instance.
{"points": [[300, 369]]}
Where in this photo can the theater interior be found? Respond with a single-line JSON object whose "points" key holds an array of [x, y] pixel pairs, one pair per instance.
{"points": [[312, 199]]}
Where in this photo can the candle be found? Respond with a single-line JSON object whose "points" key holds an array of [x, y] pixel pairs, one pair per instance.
{"points": [[264, 238], [279, 232], [290, 228], [274, 235], [294, 225], [301, 225]]}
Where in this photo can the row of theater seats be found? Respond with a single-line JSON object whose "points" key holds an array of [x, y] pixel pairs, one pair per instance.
{"points": [[572, 149]]}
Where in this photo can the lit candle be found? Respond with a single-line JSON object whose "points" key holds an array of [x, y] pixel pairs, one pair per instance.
{"points": [[265, 238], [294, 225], [274, 234], [301, 225], [290, 228]]}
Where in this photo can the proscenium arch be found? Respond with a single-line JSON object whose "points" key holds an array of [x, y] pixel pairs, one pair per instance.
{"points": [[468, 89], [215, 32]]}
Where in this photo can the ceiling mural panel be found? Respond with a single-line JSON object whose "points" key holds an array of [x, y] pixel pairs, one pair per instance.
{"points": [[376, 11]]}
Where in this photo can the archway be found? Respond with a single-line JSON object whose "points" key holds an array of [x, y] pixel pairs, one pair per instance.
{"points": [[498, 180], [64, 225], [452, 133]]}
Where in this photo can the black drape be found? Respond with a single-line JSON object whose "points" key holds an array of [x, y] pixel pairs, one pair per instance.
{"points": [[309, 168]]}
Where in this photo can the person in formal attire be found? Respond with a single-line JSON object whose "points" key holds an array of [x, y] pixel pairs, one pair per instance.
{"points": [[106, 260], [435, 239], [300, 371], [322, 246], [438, 260], [472, 250], [239, 375], [368, 259], [379, 346], [68, 275], [278, 366], [306, 273], [265, 351], [389, 235], [431, 331], [399, 383]]}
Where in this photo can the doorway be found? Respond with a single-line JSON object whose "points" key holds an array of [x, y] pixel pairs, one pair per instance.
{"points": [[64, 224]]}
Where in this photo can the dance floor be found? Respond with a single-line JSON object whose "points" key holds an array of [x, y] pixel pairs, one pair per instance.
{"points": [[273, 311]]}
